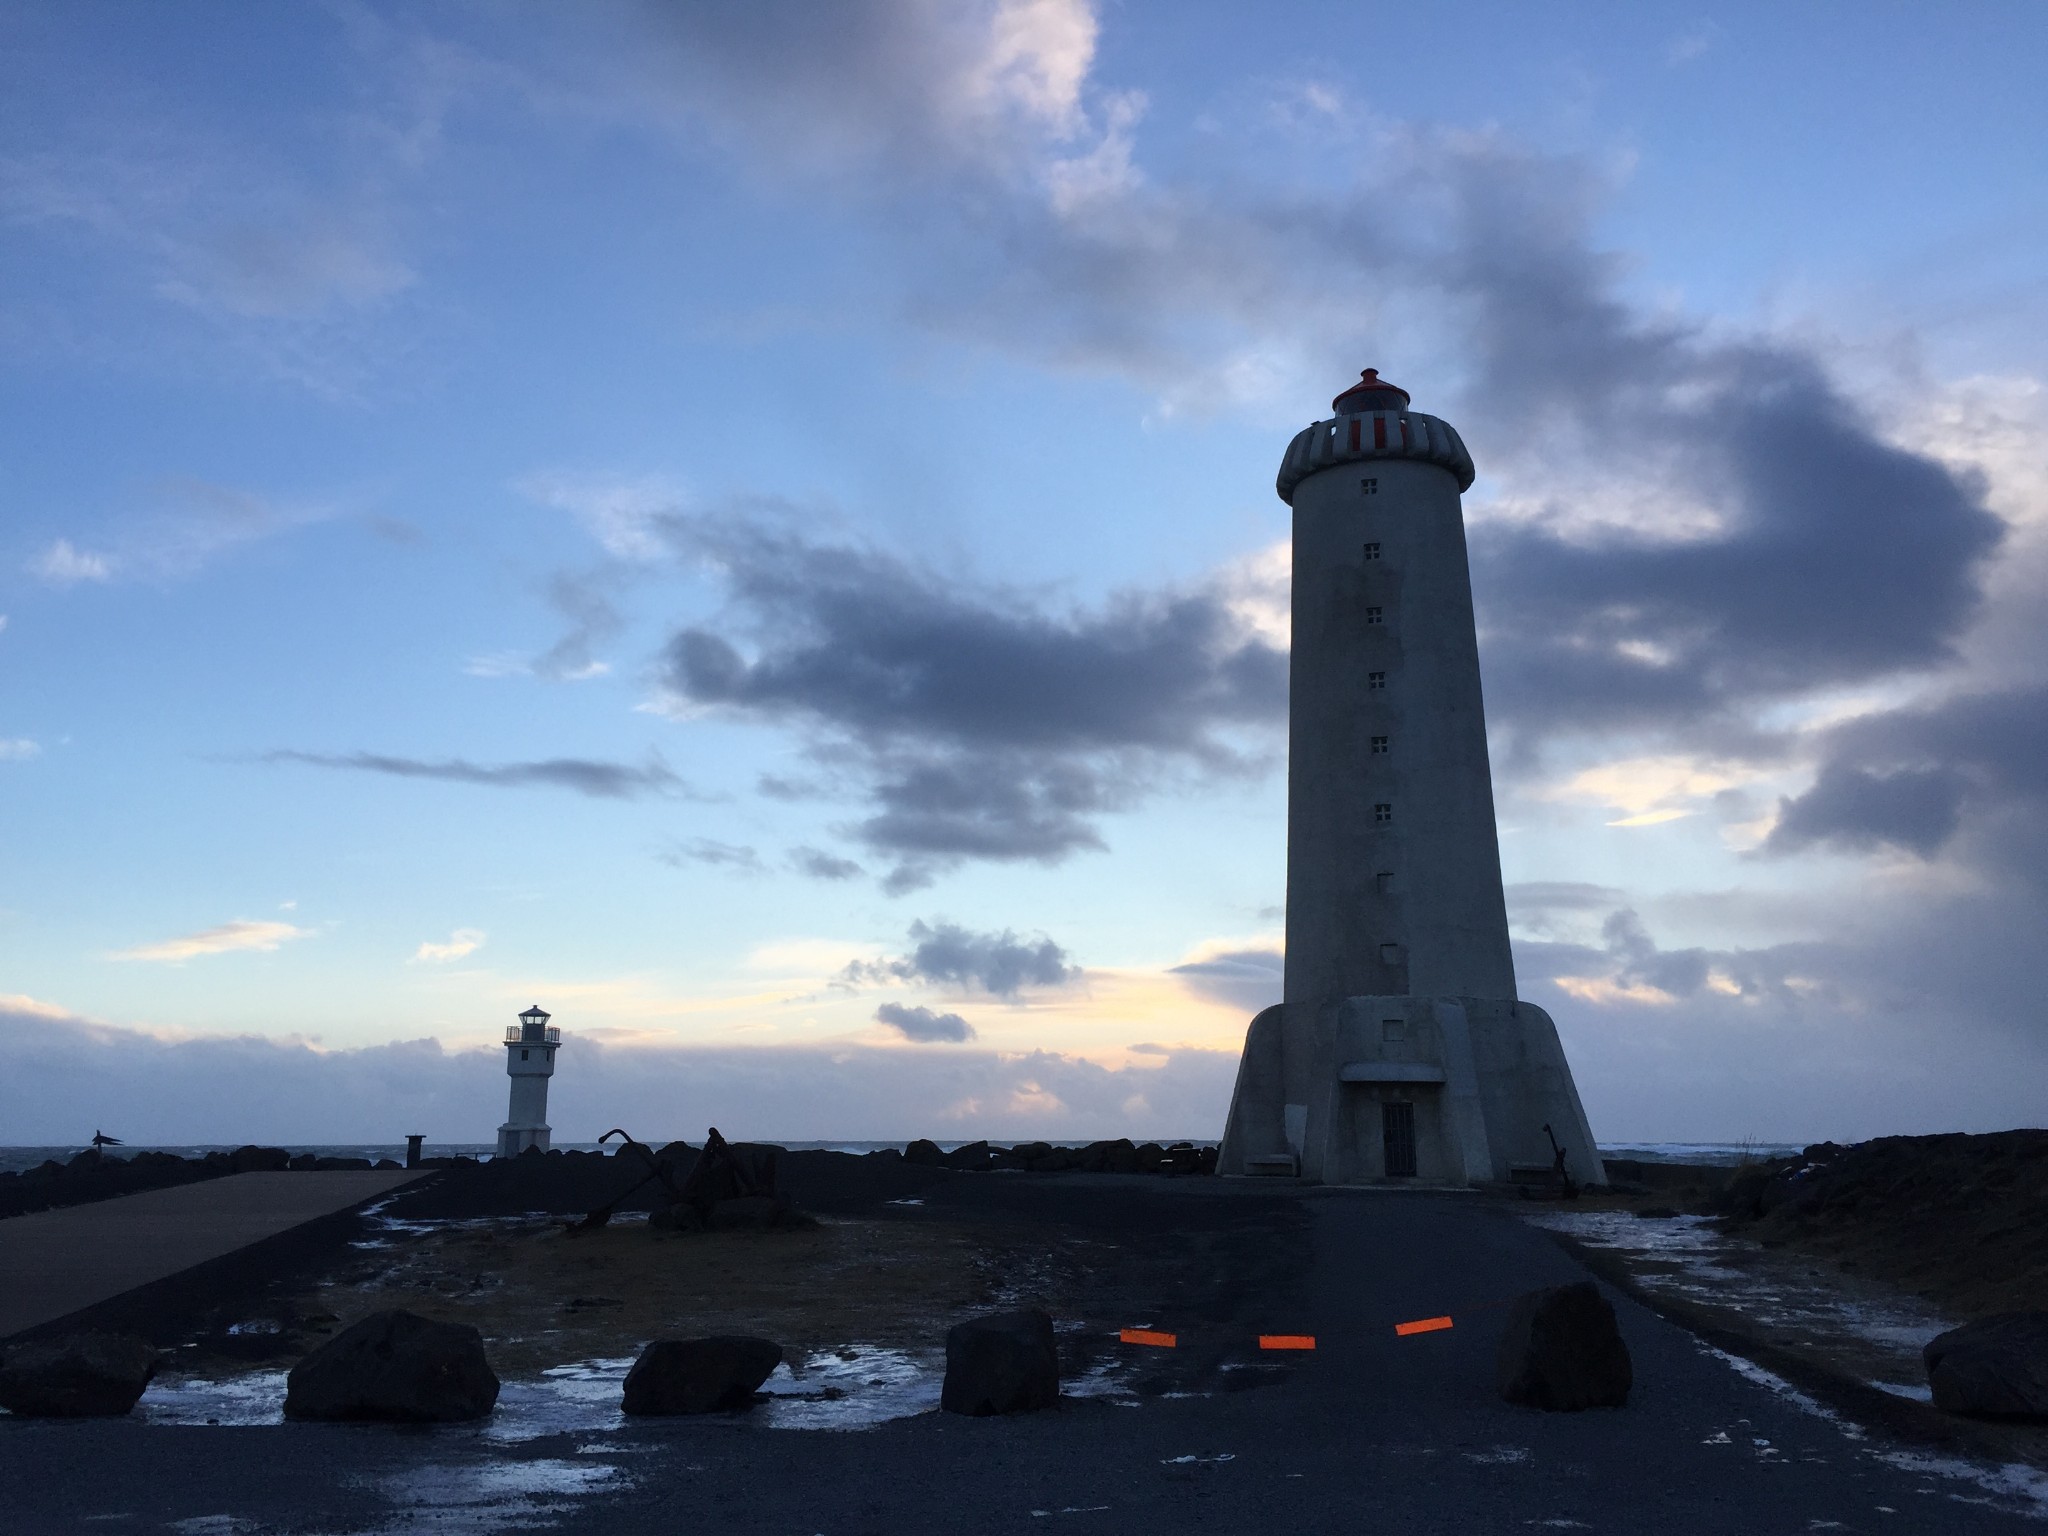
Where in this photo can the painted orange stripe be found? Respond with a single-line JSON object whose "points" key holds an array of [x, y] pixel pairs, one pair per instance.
{"points": [[1422, 1325], [1287, 1341], [1148, 1336]]}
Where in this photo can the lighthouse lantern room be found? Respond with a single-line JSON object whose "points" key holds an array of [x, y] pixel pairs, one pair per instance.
{"points": [[530, 1047]]}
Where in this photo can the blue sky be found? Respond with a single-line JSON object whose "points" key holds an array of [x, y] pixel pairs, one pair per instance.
{"points": [[743, 523]]}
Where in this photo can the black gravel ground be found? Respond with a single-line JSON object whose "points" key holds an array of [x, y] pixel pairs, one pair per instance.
{"points": [[1369, 1432]]}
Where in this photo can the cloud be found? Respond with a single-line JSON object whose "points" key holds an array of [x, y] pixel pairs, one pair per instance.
{"points": [[705, 850], [193, 523], [820, 865], [1910, 778], [18, 749], [73, 1072], [981, 724], [923, 1025], [63, 564], [461, 943], [1245, 978], [227, 938], [945, 954], [601, 780]]}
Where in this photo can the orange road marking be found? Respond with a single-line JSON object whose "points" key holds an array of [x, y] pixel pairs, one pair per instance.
{"points": [[1287, 1341], [1148, 1336], [1422, 1325]]}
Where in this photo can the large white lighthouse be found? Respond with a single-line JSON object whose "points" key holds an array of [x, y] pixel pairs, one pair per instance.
{"points": [[1399, 1050], [530, 1047]]}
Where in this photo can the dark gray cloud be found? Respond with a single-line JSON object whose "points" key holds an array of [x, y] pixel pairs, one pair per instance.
{"points": [[980, 722], [605, 781], [820, 865], [945, 954], [1915, 778], [921, 1024], [1247, 978]]}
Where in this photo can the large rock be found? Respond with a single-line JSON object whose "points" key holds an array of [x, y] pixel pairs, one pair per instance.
{"points": [[925, 1154], [1560, 1350], [1996, 1367], [259, 1160], [396, 1366], [1003, 1363], [79, 1376], [699, 1375]]}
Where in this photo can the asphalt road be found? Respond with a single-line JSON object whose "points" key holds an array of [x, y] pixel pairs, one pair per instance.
{"points": [[1370, 1432]]}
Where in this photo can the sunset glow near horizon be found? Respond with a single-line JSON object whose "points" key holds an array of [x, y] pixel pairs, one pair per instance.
{"points": [[753, 527]]}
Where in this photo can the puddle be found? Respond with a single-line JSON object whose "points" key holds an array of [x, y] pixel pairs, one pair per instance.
{"points": [[2011, 1486], [255, 1398], [852, 1388], [488, 1496], [1863, 1329]]}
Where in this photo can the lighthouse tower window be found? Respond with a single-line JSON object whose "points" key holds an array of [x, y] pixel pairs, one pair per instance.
{"points": [[1372, 551], [1385, 881], [1369, 487], [524, 1054], [1375, 616], [1375, 680], [1379, 746], [1382, 813]]}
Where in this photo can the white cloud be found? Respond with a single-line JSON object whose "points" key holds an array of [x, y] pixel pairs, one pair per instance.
{"points": [[463, 941], [624, 516], [193, 523], [63, 564], [227, 938], [18, 749]]}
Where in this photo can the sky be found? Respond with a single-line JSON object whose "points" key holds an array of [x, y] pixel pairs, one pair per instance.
{"points": [[752, 526]]}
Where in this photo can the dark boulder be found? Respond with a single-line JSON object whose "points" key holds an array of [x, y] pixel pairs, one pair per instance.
{"points": [[1561, 1350], [1149, 1155], [925, 1154], [259, 1160], [1995, 1367], [699, 1375], [389, 1162], [395, 1365], [79, 1376], [341, 1164], [1003, 1363], [973, 1157], [1119, 1156]]}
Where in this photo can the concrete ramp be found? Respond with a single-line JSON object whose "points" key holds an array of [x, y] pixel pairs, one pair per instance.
{"points": [[54, 1263]]}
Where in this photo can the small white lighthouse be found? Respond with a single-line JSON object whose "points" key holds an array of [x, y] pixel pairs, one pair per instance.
{"points": [[530, 1047]]}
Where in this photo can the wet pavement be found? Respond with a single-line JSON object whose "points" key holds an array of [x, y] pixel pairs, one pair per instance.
{"points": [[1371, 1429]]}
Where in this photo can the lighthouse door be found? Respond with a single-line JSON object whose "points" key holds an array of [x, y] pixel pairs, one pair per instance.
{"points": [[1397, 1125]]}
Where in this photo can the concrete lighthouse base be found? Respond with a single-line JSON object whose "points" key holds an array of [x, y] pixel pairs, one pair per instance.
{"points": [[1432, 1090]]}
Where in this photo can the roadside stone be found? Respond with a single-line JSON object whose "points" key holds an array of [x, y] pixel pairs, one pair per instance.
{"points": [[1995, 1367], [398, 1366], [259, 1160], [1561, 1351], [78, 1376], [1006, 1362], [675, 1376]]}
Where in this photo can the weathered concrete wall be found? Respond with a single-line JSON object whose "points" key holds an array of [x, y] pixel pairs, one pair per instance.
{"points": [[1393, 863]]}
